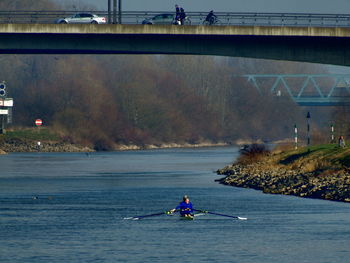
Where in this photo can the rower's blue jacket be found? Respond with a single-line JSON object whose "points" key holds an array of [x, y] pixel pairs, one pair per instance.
{"points": [[184, 208]]}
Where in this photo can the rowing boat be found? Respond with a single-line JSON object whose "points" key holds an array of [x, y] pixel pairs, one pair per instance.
{"points": [[187, 217], [200, 212]]}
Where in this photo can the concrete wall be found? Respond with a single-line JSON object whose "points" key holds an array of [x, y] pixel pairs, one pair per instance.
{"points": [[308, 44]]}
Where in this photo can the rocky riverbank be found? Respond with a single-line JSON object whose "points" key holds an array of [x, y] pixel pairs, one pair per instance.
{"points": [[20, 144], [124, 147], [319, 173], [17, 145], [64, 147]]}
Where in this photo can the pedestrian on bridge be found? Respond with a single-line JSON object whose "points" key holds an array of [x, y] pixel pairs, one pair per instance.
{"points": [[177, 14], [182, 16]]}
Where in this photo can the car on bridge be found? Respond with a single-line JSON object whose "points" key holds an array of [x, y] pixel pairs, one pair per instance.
{"points": [[82, 18], [165, 19], [161, 19]]}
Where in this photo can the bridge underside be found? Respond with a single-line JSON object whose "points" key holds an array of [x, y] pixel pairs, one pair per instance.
{"points": [[294, 44]]}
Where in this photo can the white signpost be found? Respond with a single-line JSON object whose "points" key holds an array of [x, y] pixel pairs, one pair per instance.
{"points": [[8, 102], [6, 105]]}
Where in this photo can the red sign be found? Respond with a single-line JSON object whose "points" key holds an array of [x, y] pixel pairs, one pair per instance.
{"points": [[38, 122]]}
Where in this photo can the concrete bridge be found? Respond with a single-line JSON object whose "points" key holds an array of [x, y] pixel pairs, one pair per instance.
{"points": [[326, 45]]}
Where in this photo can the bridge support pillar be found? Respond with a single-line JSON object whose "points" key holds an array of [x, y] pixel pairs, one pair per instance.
{"points": [[120, 11], [109, 11], [114, 11]]}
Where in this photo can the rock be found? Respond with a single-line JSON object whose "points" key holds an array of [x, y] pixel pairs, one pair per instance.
{"points": [[281, 180], [15, 145]]}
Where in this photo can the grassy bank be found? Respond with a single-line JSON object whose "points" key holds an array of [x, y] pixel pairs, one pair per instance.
{"points": [[26, 140], [317, 159], [30, 134], [321, 171]]}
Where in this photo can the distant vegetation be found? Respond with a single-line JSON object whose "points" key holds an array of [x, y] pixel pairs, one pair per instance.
{"points": [[101, 101]]}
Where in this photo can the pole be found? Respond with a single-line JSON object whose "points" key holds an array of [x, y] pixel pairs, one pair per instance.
{"points": [[120, 11], [2, 124], [308, 116], [332, 133], [296, 137], [109, 12], [2, 97], [114, 11]]}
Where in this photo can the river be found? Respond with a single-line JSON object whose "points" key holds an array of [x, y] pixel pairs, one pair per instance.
{"points": [[69, 207]]}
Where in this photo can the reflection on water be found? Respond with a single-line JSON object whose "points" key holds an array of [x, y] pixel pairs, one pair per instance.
{"points": [[70, 208]]}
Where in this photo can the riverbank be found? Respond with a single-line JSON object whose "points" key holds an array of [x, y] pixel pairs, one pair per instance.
{"points": [[47, 146], [319, 172], [34, 140], [124, 147], [43, 140], [54, 146]]}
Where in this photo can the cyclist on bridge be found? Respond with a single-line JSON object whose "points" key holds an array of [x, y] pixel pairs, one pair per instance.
{"points": [[211, 18]]}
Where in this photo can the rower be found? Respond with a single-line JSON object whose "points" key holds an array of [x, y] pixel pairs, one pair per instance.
{"points": [[185, 207]]}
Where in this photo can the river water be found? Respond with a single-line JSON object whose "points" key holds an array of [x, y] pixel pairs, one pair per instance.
{"points": [[69, 207]]}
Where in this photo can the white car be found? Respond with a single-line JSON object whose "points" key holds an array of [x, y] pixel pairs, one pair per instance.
{"points": [[162, 19], [82, 18]]}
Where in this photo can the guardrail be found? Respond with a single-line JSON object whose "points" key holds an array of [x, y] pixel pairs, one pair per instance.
{"points": [[197, 18]]}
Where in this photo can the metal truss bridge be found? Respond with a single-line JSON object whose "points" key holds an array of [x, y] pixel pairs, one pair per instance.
{"points": [[304, 89]]}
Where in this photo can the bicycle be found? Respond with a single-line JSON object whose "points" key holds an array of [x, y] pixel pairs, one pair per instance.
{"points": [[212, 21], [187, 21]]}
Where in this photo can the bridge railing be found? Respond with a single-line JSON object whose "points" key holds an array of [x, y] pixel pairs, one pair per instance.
{"points": [[197, 18]]}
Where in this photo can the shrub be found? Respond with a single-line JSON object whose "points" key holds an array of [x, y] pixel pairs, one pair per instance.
{"points": [[252, 153]]}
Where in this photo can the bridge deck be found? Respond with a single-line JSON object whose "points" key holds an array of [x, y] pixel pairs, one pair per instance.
{"points": [[175, 30], [327, 45]]}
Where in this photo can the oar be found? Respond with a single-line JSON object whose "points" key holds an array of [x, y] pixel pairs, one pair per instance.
{"points": [[212, 213], [140, 217]]}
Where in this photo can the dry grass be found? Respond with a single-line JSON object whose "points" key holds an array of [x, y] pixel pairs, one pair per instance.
{"points": [[283, 147], [252, 153]]}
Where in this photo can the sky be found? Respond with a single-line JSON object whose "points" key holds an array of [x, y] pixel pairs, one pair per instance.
{"points": [[284, 6]]}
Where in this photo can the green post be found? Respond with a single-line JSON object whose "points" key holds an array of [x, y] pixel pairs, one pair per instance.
{"points": [[308, 116], [2, 131]]}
